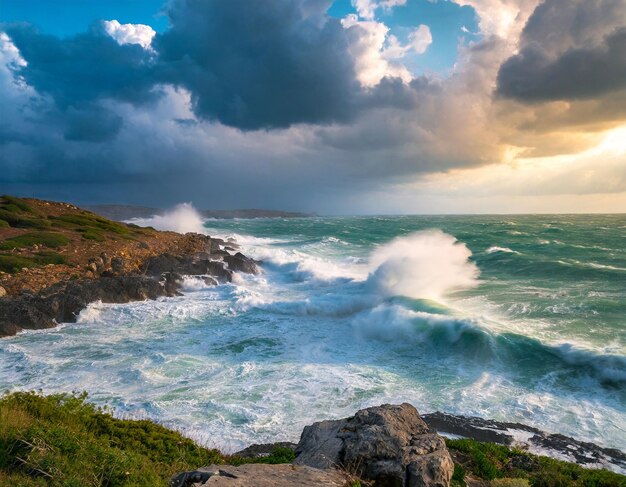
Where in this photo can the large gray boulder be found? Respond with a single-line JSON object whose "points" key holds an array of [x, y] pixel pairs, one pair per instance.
{"points": [[389, 444]]}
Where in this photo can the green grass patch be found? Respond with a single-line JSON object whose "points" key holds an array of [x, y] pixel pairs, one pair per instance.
{"points": [[14, 263], [17, 220], [4, 224], [47, 239], [89, 220], [61, 440], [93, 235], [488, 461], [15, 204]]}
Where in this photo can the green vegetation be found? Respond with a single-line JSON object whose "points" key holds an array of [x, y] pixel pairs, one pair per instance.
{"points": [[4, 224], [87, 220], [61, 440], [93, 235], [47, 239], [516, 468], [11, 203], [15, 212], [13, 263]]}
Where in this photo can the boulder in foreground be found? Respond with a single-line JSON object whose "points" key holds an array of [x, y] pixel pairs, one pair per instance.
{"points": [[389, 444]]}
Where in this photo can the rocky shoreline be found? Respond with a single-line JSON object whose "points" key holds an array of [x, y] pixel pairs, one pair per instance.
{"points": [[156, 276], [395, 446]]}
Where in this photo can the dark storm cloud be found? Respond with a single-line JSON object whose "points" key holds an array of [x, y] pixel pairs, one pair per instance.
{"points": [[78, 73], [272, 66], [83, 68], [577, 74], [283, 63], [570, 50]]}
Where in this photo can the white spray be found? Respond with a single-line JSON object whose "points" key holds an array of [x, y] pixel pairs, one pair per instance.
{"points": [[182, 218], [425, 265]]}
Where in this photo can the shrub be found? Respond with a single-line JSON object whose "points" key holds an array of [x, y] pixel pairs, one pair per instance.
{"points": [[47, 239]]}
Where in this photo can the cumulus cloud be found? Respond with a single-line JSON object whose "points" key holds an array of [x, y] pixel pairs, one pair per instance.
{"points": [[130, 33]]}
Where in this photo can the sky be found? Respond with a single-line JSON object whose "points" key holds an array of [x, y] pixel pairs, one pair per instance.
{"points": [[334, 107]]}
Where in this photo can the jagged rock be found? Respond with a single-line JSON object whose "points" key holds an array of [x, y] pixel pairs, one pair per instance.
{"points": [[389, 444], [262, 475], [505, 433], [195, 265], [263, 450], [241, 263], [62, 302], [117, 265]]}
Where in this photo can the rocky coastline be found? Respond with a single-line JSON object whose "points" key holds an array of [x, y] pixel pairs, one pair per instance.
{"points": [[391, 445], [157, 276], [395, 446], [95, 260]]}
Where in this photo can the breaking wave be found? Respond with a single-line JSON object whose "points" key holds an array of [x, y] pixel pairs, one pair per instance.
{"points": [[183, 218]]}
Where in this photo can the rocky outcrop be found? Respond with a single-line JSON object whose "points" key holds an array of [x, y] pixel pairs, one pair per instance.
{"points": [[62, 302], [388, 444], [241, 263], [528, 437], [158, 276], [261, 475]]}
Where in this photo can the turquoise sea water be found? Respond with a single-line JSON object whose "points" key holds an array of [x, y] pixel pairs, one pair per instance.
{"points": [[519, 318]]}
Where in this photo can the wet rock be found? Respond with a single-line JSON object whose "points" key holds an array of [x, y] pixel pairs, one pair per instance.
{"points": [[241, 263], [388, 444], [62, 302]]}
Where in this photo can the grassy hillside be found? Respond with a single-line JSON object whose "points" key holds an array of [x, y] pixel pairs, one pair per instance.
{"points": [[35, 233]]}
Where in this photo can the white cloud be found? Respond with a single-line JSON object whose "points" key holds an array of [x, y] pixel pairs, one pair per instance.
{"points": [[377, 53], [367, 47], [503, 18], [130, 33], [366, 9]]}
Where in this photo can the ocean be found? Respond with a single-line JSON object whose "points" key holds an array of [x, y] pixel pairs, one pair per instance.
{"points": [[516, 318]]}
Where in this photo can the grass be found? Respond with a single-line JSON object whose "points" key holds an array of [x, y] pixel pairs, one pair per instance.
{"points": [[12, 203], [510, 467], [14, 263], [62, 440], [4, 224], [51, 240], [90, 221]]}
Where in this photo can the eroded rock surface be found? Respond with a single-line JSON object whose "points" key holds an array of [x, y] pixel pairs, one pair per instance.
{"points": [[389, 444], [284, 475]]}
